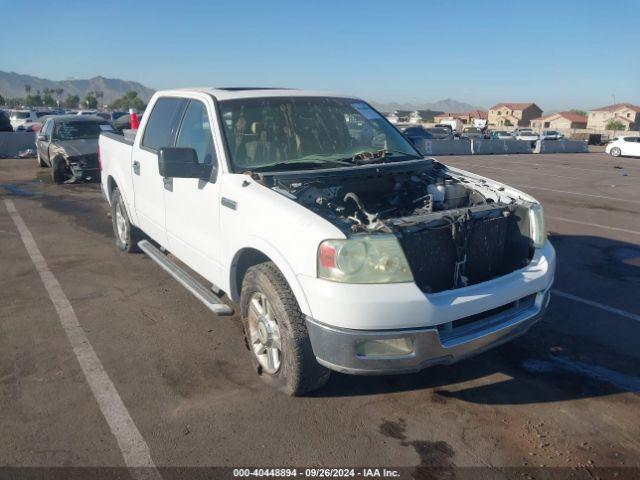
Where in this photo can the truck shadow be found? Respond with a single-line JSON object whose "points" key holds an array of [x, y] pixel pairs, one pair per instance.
{"points": [[576, 351]]}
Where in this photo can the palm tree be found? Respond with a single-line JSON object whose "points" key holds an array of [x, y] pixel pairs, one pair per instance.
{"points": [[59, 92], [27, 89], [99, 94]]}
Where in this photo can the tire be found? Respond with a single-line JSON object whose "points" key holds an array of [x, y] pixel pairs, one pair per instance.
{"points": [[126, 235], [615, 152], [41, 163], [283, 328], [59, 170]]}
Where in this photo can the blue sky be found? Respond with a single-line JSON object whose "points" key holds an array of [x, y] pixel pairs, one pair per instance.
{"points": [[560, 54]]}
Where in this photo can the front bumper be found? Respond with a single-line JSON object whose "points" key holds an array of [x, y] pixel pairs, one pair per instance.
{"points": [[337, 348]]}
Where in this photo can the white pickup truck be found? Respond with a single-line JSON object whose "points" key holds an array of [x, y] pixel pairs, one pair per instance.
{"points": [[341, 247]]}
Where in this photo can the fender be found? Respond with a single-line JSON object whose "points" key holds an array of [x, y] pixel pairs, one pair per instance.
{"points": [[279, 259], [133, 219]]}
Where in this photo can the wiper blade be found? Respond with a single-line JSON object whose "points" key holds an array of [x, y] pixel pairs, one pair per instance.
{"points": [[298, 164], [367, 158]]}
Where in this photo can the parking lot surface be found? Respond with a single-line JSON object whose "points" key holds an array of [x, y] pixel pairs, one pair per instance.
{"points": [[564, 395]]}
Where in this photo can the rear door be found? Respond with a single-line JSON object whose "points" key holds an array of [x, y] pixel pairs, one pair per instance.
{"points": [[192, 205], [159, 131]]}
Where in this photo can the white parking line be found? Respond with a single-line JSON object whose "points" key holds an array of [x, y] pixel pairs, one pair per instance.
{"points": [[606, 308], [576, 193], [589, 224], [135, 450]]}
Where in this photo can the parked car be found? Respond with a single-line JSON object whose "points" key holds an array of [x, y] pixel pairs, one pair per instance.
{"points": [[123, 122], [20, 117], [551, 135], [624, 147], [415, 133], [526, 135], [69, 145], [501, 135], [5, 122], [455, 125], [440, 133], [471, 132], [323, 243]]}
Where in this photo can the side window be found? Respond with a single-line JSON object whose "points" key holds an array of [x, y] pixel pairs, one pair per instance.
{"points": [[195, 132], [163, 123], [46, 129]]}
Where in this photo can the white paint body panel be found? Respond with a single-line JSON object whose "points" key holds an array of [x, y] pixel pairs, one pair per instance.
{"points": [[289, 234]]}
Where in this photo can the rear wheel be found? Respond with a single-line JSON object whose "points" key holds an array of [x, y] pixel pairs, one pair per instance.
{"points": [[59, 170], [127, 236], [276, 333], [615, 152]]}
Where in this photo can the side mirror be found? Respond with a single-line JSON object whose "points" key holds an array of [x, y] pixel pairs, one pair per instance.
{"points": [[42, 138], [181, 163]]}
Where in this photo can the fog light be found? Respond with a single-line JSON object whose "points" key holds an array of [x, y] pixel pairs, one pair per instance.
{"points": [[392, 346]]}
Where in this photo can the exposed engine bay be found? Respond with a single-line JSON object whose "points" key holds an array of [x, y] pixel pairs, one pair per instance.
{"points": [[455, 230]]}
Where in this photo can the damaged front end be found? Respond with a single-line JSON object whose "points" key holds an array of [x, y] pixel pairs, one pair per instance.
{"points": [[454, 230]]}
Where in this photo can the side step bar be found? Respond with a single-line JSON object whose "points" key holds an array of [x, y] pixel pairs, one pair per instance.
{"points": [[202, 293]]}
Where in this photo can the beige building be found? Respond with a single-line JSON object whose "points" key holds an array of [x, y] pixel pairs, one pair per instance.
{"points": [[625, 113], [513, 114], [560, 121], [467, 117]]}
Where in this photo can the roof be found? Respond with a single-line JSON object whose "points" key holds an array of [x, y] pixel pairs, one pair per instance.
{"points": [[514, 106], [477, 114], [76, 118], [231, 93], [617, 106], [571, 116], [473, 114]]}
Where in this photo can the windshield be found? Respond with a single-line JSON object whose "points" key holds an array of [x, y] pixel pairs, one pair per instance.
{"points": [[78, 130], [306, 132]]}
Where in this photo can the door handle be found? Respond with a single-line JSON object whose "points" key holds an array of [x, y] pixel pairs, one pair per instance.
{"points": [[136, 167]]}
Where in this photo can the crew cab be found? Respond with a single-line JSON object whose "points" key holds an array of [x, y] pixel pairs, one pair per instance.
{"points": [[340, 246]]}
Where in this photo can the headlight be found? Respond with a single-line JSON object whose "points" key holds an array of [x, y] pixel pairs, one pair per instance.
{"points": [[363, 259], [538, 230]]}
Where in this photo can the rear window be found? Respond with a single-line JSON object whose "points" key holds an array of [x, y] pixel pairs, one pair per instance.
{"points": [[163, 123], [79, 130]]}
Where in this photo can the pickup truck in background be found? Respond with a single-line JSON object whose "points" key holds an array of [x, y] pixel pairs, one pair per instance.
{"points": [[341, 247]]}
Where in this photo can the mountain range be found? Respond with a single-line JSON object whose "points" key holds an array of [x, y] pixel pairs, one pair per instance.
{"points": [[446, 105], [13, 85]]}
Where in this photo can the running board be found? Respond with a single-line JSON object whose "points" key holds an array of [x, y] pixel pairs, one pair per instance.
{"points": [[198, 290]]}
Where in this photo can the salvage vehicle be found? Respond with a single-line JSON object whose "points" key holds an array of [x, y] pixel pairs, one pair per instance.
{"points": [[341, 248], [69, 145]]}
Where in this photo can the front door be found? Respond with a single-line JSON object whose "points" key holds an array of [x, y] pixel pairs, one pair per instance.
{"points": [[43, 145], [192, 205], [148, 186]]}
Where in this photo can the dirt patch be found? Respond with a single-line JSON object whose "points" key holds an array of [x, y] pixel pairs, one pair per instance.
{"points": [[436, 458]]}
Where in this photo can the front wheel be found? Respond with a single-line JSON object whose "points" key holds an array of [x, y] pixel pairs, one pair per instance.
{"points": [[59, 170], [276, 333], [615, 152], [127, 235]]}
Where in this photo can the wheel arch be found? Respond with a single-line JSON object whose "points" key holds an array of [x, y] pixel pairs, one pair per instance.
{"points": [[248, 256]]}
